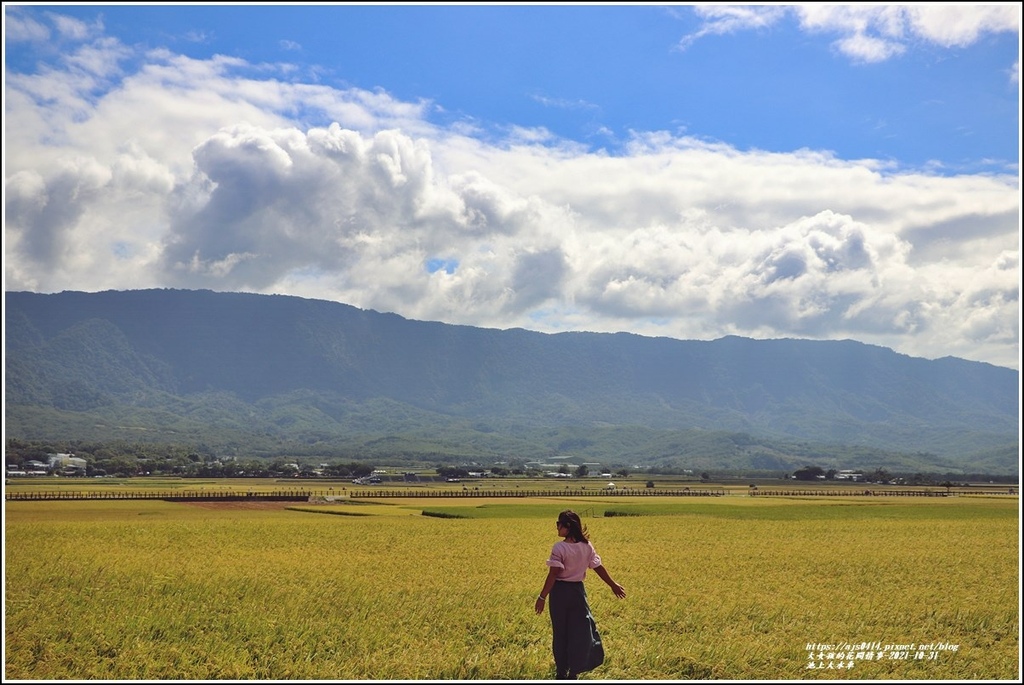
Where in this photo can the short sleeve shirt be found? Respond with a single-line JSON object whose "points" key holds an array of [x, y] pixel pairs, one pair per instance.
{"points": [[573, 558]]}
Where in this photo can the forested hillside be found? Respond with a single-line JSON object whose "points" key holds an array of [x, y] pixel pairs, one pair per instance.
{"points": [[276, 374]]}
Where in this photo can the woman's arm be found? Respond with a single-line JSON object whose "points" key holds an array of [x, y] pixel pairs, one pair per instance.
{"points": [[549, 583], [602, 572]]}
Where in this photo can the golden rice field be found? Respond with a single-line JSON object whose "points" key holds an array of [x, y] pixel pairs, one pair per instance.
{"points": [[731, 588]]}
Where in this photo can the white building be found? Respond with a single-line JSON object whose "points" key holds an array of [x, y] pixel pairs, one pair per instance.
{"points": [[66, 462]]}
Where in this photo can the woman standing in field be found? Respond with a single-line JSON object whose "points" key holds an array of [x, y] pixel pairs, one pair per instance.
{"points": [[574, 637]]}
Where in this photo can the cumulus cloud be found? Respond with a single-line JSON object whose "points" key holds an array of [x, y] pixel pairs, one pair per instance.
{"points": [[217, 174]]}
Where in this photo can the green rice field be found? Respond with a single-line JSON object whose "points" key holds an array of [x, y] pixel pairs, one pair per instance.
{"points": [[731, 588]]}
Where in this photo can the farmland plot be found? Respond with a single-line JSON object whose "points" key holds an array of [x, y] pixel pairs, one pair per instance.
{"points": [[734, 588]]}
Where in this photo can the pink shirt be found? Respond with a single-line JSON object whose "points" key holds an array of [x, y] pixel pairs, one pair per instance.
{"points": [[574, 558]]}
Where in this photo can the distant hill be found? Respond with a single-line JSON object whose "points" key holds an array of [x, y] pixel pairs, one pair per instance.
{"points": [[270, 373]]}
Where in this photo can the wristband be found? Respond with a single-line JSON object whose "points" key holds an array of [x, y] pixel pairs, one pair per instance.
{"points": [[541, 598]]}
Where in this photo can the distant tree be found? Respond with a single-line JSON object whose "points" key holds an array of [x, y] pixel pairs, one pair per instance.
{"points": [[123, 466], [582, 471], [879, 476], [809, 473], [622, 472], [919, 479]]}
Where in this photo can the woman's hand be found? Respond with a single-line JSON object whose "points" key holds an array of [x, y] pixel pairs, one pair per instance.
{"points": [[602, 572], [538, 606]]}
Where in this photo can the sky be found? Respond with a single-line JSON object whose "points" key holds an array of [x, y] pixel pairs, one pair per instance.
{"points": [[822, 172]]}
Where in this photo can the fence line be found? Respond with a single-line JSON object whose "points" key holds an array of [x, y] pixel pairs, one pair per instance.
{"points": [[305, 495], [822, 492], [187, 496], [379, 493], [632, 492]]}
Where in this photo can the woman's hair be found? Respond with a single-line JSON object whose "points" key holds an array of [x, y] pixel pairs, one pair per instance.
{"points": [[577, 531]]}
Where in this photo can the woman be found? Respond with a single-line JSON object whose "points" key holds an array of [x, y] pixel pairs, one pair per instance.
{"points": [[574, 637]]}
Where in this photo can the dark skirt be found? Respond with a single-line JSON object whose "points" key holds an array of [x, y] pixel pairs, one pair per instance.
{"points": [[574, 637]]}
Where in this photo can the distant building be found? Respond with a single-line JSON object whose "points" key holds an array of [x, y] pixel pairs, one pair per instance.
{"points": [[553, 464], [66, 463]]}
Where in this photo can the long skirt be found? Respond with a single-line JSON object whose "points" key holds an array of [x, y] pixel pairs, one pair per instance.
{"points": [[574, 637]]}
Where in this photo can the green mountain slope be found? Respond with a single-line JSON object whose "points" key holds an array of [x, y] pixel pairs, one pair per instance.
{"points": [[272, 373]]}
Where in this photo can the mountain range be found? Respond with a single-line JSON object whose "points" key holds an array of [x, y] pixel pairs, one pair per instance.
{"points": [[274, 374]]}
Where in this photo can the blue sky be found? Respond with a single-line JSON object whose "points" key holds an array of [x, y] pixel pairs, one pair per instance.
{"points": [[593, 74], [690, 171]]}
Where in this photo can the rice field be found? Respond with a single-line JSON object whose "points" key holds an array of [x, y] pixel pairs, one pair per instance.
{"points": [[727, 588]]}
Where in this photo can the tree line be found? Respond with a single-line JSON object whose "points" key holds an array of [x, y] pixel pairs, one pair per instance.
{"points": [[125, 460], [128, 459]]}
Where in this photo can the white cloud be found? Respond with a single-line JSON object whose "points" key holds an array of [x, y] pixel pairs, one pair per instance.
{"points": [[198, 173], [18, 28], [868, 32], [873, 33], [563, 103], [726, 19], [197, 37], [956, 25], [864, 48], [101, 59], [74, 29]]}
